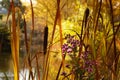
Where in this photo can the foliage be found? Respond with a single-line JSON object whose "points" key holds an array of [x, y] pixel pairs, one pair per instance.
{"points": [[91, 47], [81, 64], [4, 39]]}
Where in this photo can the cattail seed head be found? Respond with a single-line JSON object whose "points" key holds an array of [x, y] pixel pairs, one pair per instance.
{"points": [[45, 40]]}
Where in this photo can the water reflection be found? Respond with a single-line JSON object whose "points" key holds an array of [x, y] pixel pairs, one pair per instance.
{"points": [[5, 59], [6, 68], [6, 64], [6, 76]]}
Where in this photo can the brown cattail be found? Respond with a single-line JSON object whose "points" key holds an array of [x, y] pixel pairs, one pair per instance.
{"points": [[45, 39], [84, 23], [87, 11]]}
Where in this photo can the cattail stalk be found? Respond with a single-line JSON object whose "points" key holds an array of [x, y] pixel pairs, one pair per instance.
{"points": [[15, 43], [46, 55], [45, 40]]}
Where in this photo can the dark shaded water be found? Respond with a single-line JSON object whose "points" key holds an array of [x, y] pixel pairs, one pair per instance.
{"points": [[6, 63], [6, 66]]}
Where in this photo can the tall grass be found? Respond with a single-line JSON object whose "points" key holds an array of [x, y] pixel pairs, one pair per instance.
{"points": [[46, 54], [15, 34], [99, 43], [15, 43], [115, 58]]}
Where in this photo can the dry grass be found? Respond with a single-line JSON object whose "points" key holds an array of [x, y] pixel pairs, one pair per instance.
{"points": [[99, 46]]}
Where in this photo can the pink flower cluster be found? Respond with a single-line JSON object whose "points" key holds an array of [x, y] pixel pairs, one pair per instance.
{"points": [[80, 64], [70, 45]]}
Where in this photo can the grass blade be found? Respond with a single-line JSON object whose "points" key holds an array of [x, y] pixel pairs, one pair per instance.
{"points": [[114, 75], [25, 33], [32, 15], [37, 67], [46, 55], [15, 44]]}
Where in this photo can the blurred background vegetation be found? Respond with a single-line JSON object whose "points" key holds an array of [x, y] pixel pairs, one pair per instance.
{"points": [[100, 22]]}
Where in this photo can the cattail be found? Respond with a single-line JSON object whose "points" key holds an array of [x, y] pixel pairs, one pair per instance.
{"points": [[87, 11], [45, 39], [86, 15], [84, 23]]}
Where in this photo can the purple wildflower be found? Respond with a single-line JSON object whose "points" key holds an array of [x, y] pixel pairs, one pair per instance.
{"points": [[64, 48], [70, 39], [89, 69], [86, 55], [87, 62], [73, 43], [69, 50]]}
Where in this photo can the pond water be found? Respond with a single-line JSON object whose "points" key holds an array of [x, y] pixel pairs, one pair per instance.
{"points": [[6, 63], [6, 66]]}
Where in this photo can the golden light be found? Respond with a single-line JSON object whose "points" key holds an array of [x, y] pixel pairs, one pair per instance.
{"points": [[27, 2]]}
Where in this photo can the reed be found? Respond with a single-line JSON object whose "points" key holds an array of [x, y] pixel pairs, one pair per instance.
{"points": [[115, 62], [28, 46], [46, 54], [15, 43], [99, 43]]}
